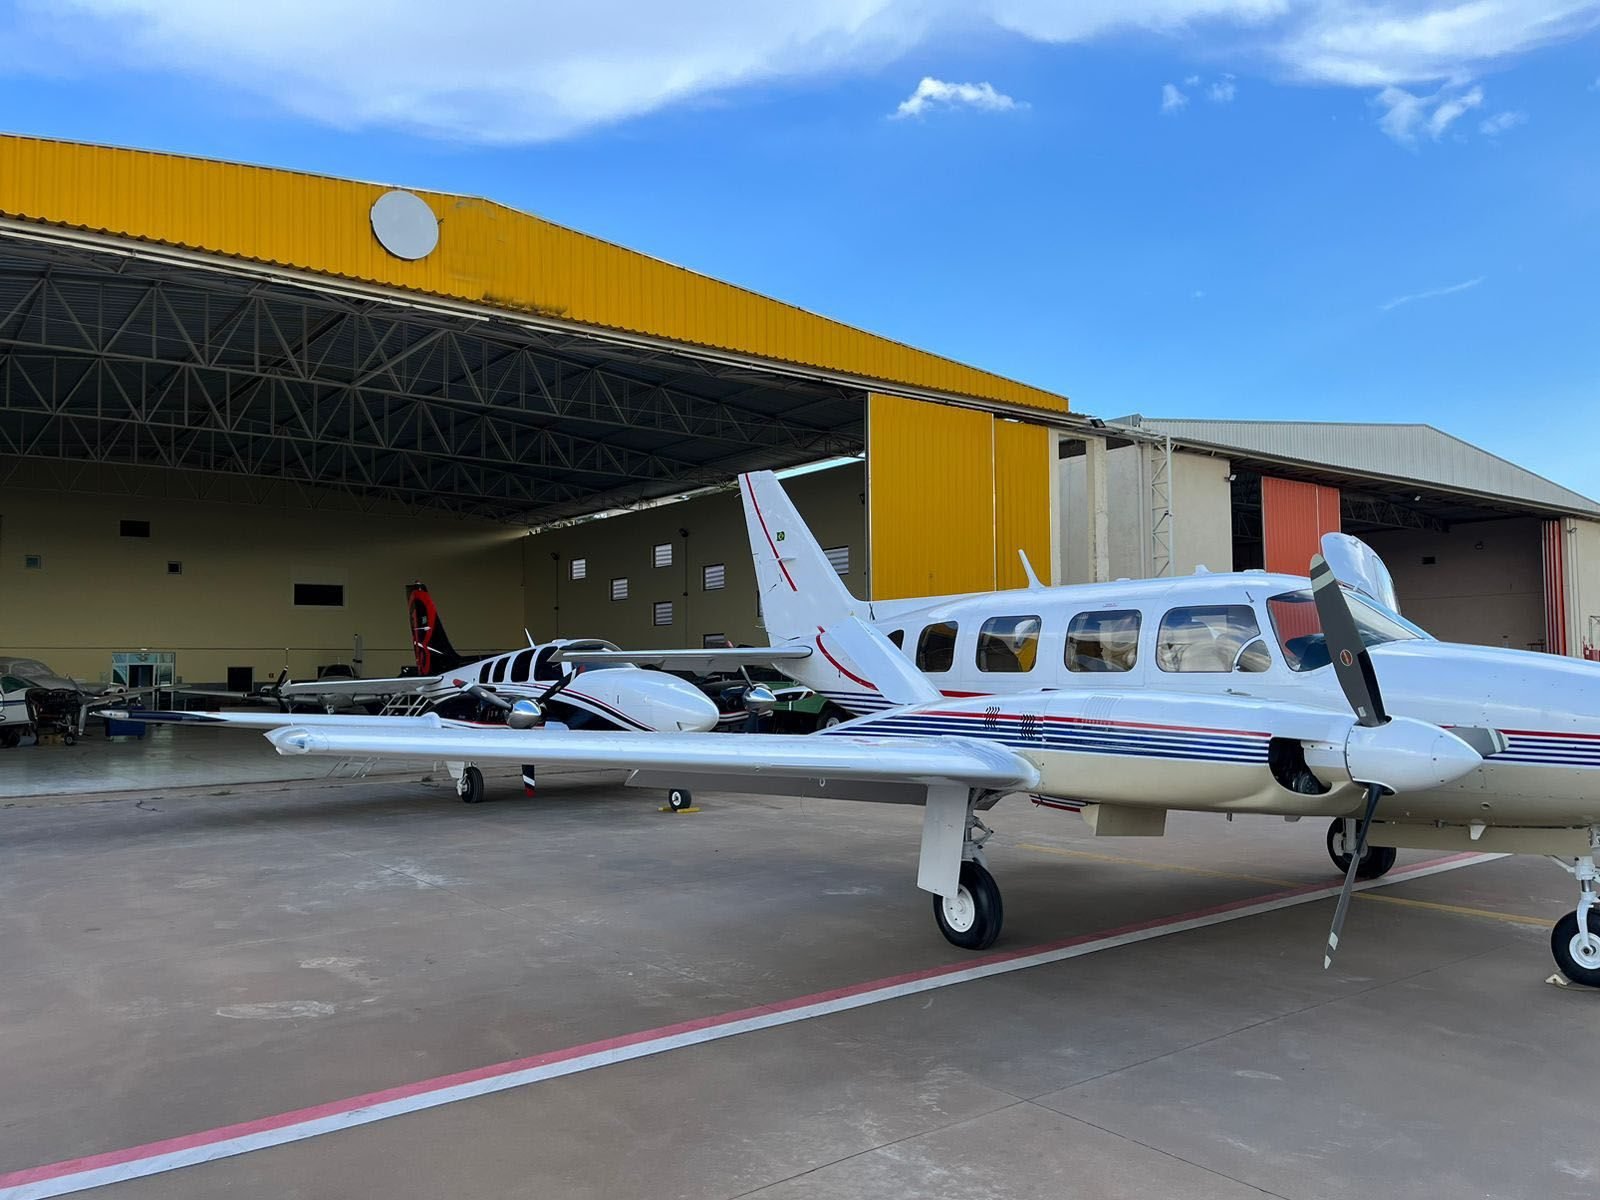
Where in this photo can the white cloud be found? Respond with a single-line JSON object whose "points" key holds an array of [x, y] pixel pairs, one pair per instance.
{"points": [[506, 70], [937, 93], [1171, 98], [1222, 91], [1431, 294], [1501, 122], [1191, 81], [1406, 115]]}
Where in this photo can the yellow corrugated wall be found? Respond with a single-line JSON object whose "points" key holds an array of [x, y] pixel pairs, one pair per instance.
{"points": [[1023, 519], [487, 254], [951, 494]]}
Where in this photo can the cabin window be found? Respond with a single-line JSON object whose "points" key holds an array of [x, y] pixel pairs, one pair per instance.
{"points": [[898, 637], [936, 648], [578, 568], [520, 665], [483, 671], [545, 669], [1008, 644], [1210, 638], [1103, 641], [498, 675]]}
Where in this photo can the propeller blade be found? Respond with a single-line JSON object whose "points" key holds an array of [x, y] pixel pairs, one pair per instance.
{"points": [[482, 694], [1373, 792], [1352, 666]]}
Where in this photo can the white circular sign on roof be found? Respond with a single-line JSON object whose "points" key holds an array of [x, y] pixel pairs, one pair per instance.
{"points": [[404, 225]]}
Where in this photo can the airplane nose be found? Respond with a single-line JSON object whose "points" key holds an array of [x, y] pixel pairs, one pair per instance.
{"points": [[698, 712]]}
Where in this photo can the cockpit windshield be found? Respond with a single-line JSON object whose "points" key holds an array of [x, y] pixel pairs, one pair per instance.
{"points": [[1299, 630]]}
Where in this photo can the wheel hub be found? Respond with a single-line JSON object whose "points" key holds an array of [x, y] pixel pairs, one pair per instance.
{"points": [[959, 911], [1585, 950]]}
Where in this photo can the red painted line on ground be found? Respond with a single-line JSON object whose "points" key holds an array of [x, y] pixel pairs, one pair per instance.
{"points": [[440, 1083]]}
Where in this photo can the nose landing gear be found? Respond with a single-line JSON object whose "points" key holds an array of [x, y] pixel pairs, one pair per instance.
{"points": [[1575, 941]]}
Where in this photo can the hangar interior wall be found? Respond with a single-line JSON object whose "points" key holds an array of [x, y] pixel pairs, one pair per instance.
{"points": [[623, 547], [1201, 512], [953, 494], [1484, 583], [1583, 587], [97, 592]]}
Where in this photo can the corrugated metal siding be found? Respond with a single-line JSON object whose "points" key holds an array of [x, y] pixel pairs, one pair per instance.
{"points": [[1417, 453], [487, 254], [1023, 514], [930, 498], [1294, 516]]}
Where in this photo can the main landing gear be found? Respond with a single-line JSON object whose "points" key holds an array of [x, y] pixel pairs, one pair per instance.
{"points": [[1375, 863], [966, 900], [469, 785], [1575, 941]]}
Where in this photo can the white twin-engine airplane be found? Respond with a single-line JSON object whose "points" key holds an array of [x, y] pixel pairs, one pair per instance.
{"points": [[515, 690], [1237, 693]]}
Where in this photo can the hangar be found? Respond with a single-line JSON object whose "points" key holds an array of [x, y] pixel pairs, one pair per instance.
{"points": [[241, 407]]}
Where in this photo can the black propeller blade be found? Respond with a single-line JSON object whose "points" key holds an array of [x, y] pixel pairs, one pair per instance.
{"points": [[1360, 848], [1351, 663], [1352, 666]]}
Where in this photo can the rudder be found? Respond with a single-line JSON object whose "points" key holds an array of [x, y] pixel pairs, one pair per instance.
{"points": [[430, 645]]}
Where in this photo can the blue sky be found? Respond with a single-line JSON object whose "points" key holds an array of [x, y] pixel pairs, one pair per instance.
{"points": [[1357, 211]]}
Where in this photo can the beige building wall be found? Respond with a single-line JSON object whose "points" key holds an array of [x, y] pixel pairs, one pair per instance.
{"points": [[622, 547], [1201, 507], [242, 548], [1583, 587], [1485, 584]]}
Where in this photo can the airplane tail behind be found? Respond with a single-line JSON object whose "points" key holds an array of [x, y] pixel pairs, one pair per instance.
{"points": [[429, 642], [803, 600]]}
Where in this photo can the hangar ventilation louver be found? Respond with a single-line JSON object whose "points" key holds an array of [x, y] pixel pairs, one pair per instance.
{"points": [[663, 612], [715, 577]]}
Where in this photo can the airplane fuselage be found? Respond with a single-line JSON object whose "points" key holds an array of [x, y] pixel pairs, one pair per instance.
{"points": [[1146, 687]]}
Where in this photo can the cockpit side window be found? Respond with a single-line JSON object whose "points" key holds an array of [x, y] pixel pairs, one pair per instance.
{"points": [[1103, 641], [1008, 644], [936, 647], [1210, 638], [1299, 629]]}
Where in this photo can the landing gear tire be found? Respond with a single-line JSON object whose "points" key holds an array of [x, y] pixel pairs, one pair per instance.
{"points": [[470, 786], [1577, 956], [1375, 863], [9, 738], [679, 799], [972, 917], [70, 739], [830, 719]]}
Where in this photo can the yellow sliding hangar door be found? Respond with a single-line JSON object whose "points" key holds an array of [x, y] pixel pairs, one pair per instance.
{"points": [[952, 495]]}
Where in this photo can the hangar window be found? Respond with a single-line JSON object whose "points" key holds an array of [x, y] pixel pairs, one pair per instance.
{"points": [[714, 641], [839, 559], [936, 648], [139, 529], [715, 577], [174, 567], [1103, 641], [578, 568], [1211, 638], [663, 555], [319, 595], [520, 666], [33, 562], [619, 588], [662, 612], [1008, 644]]}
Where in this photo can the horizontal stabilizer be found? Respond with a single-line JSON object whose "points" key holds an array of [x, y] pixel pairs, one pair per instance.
{"points": [[342, 686], [729, 658]]}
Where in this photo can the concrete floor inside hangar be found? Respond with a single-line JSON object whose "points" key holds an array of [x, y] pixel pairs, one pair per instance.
{"points": [[188, 960]]}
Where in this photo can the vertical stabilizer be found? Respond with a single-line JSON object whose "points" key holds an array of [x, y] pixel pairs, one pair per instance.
{"points": [[429, 642], [804, 601]]}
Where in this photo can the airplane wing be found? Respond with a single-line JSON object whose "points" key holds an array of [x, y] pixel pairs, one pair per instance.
{"points": [[700, 662], [270, 720], [342, 686], [744, 762]]}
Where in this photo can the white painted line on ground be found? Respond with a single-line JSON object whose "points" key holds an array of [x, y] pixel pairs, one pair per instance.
{"points": [[154, 1158]]}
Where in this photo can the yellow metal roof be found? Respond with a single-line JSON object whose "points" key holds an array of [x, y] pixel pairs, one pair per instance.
{"points": [[488, 254]]}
